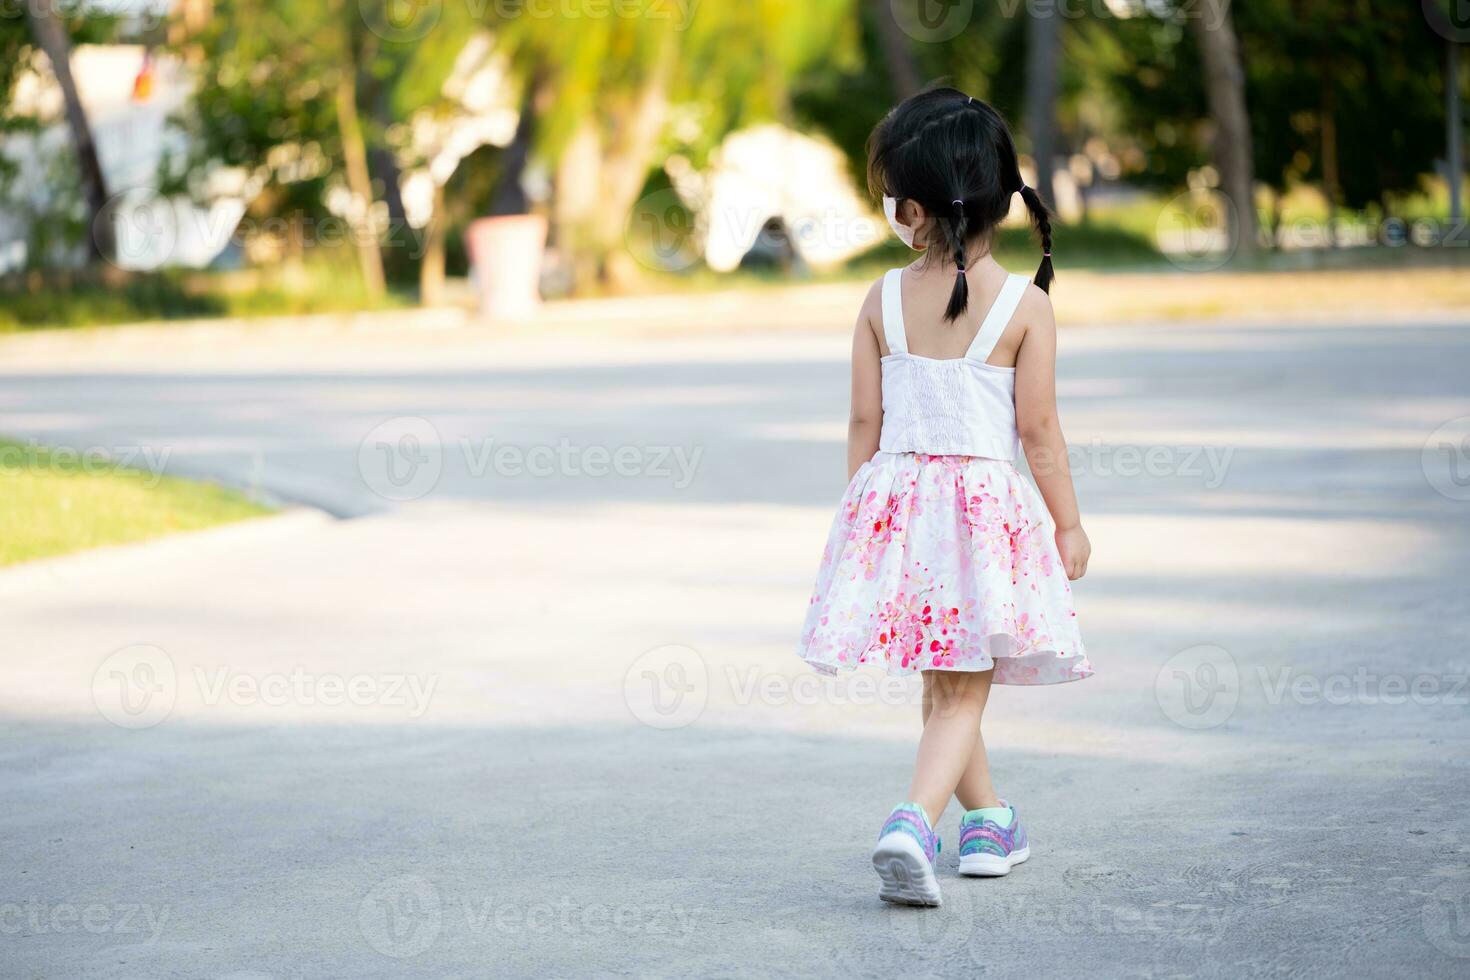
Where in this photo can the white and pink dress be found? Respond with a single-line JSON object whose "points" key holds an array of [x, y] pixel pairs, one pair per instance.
{"points": [[942, 555]]}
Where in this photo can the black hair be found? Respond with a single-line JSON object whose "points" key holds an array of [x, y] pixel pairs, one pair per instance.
{"points": [[954, 155]]}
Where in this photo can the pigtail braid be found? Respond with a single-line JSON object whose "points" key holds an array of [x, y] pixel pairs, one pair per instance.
{"points": [[1041, 220], [955, 230]]}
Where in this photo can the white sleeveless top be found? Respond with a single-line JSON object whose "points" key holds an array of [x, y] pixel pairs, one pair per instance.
{"points": [[958, 406]]}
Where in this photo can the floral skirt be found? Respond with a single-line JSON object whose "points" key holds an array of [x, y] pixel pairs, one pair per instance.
{"points": [[944, 563]]}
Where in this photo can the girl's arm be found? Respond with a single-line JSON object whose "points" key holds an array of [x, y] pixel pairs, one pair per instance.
{"points": [[1041, 433], [865, 421]]}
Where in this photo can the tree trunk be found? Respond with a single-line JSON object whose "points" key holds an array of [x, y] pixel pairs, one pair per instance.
{"points": [[1225, 87], [1043, 45], [626, 164], [1331, 179], [52, 38], [359, 182], [1454, 133], [431, 267], [600, 174], [898, 51]]}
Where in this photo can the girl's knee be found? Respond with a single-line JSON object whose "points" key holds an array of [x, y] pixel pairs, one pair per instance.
{"points": [[957, 690]]}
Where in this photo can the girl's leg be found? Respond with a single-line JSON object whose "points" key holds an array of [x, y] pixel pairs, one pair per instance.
{"points": [[954, 702], [974, 789]]}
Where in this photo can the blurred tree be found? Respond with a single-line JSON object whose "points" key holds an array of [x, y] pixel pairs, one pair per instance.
{"points": [[1043, 44], [1225, 93], [616, 81], [898, 50], [297, 92], [1340, 96], [52, 37]]}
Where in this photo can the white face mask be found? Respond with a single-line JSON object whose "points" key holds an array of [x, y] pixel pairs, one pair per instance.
{"points": [[904, 232]]}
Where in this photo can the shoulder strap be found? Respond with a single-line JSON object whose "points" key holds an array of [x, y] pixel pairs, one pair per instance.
{"points": [[999, 316], [893, 330]]}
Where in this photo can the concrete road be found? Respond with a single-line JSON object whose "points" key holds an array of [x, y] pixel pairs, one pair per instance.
{"points": [[533, 710]]}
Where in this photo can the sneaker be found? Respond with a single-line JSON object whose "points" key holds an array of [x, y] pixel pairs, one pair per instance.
{"points": [[989, 850], [904, 857]]}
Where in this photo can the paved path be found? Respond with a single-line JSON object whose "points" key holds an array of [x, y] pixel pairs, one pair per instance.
{"points": [[510, 724]]}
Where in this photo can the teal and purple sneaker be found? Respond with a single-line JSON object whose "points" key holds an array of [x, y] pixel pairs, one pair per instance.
{"points": [[904, 857], [992, 842]]}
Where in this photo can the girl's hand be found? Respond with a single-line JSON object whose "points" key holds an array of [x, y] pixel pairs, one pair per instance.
{"points": [[1075, 549]]}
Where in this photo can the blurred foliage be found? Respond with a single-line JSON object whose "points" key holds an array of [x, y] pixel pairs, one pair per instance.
{"points": [[1345, 97], [326, 284]]}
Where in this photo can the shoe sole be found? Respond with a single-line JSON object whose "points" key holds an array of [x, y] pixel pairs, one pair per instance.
{"points": [[908, 878], [990, 865]]}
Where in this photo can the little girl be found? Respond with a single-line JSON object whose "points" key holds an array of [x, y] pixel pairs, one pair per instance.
{"points": [[941, 560]]}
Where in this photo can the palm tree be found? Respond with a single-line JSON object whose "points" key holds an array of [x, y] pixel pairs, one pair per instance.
{"points": [[52, 38]]}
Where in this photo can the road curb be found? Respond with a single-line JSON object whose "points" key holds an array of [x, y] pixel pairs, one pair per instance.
{"points": [[78, 567]]}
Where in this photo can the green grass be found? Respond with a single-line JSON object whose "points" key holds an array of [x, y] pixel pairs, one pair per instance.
{"points": [[53, 502], [176, 295]]}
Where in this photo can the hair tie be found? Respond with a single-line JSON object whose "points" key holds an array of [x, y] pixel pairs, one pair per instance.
{"points": [[1046, 255], [959, 204]]}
